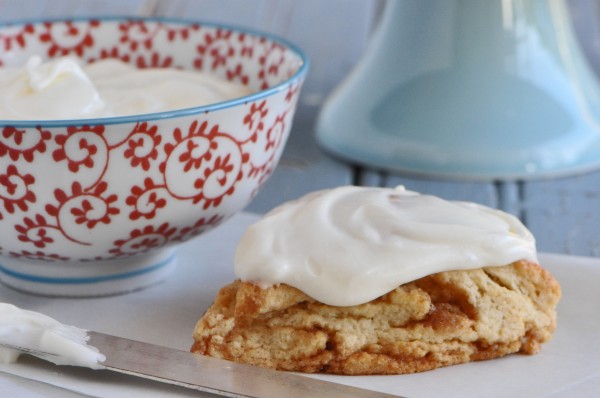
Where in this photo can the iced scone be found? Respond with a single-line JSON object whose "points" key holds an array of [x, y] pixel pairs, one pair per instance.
{"points": [[359, 280]]}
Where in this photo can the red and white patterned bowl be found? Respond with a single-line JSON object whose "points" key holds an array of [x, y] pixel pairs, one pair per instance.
{"points": [[94, 207]]}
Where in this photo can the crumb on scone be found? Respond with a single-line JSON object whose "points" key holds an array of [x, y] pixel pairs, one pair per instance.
{"points": [[439, 320]]}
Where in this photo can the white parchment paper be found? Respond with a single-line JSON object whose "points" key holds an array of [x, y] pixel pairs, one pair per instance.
{"points": [[165, 314]]}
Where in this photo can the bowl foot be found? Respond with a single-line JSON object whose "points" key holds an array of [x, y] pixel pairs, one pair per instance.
{"points": [[87, 279]]}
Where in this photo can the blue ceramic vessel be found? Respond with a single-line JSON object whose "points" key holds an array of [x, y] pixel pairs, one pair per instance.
{"points": [[469, 89]]}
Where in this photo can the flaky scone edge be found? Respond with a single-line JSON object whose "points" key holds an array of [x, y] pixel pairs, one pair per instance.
{"points": [[440, 320]]}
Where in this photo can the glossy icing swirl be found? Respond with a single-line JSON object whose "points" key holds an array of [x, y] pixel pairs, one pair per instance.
{"points": [[350, 245]]}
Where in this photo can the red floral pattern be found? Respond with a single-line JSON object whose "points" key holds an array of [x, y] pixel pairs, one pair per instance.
{"points": [[83, 151], [35, 231], [146, 200], [195, 152], [275, 133], [137, 34], [254, 119], [143, 240], [39, 255], [24, 143], [13, 37], [180, 32], [216, 49], [142, 145], [203, 224], [271, 61], [141, 176], [69, 37], [15, 190], [86, 208], [113, 52], [155, 60]]}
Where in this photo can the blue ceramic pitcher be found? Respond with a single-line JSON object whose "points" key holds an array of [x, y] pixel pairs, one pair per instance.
{"points": [[469, 89]]}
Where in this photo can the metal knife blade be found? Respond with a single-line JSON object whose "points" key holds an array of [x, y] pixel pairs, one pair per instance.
{"points": [[208, 374]]}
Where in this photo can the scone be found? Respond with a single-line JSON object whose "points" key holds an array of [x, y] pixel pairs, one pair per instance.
{"points": [[363, 281], [443, 319]]}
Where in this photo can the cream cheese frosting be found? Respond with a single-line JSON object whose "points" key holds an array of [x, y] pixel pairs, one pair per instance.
{"points": [[65, 88], [350, 245], [55, 342]]}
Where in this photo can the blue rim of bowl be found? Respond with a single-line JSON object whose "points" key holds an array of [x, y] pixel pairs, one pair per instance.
{"points": [[85, 280], [299, 74]]}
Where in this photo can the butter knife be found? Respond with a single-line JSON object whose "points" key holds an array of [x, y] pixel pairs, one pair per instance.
{"points": [[208, 374]]}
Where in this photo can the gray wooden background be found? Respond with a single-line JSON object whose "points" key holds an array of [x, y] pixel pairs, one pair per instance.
{"points": [[564, 213]]}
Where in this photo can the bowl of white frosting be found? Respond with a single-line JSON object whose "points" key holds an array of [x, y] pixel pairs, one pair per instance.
{"points": [[121, 137]]}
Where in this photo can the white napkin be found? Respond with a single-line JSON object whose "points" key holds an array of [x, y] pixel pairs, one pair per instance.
{"points": [[165, 314]]}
